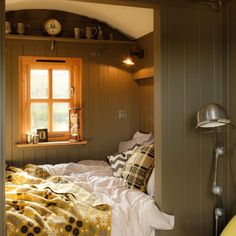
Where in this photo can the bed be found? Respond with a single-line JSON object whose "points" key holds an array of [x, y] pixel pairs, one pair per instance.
{"points": [[89, 198], [131, 211]]}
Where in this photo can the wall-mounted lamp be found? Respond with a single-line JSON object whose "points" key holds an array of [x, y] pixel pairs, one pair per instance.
{"points": [[130, 60], [214, 118]]}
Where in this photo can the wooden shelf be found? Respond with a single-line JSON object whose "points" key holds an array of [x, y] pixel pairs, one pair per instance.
{"points": [[50, 144], [144, 73], [61, 39]]}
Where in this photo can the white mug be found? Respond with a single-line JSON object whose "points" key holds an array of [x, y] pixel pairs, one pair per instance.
{"points": [[20, 28], [7, 27], [90, 32], [78, 32]]}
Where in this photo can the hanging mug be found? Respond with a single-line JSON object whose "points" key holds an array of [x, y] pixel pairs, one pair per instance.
{"points": [[20, 28], [90, 32], [78, 32]]}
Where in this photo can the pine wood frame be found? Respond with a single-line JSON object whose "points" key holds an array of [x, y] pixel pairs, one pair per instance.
{"points": [[74, 65]]}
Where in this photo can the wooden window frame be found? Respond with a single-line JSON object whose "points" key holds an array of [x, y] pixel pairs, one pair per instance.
{"points": [[26, 63]]}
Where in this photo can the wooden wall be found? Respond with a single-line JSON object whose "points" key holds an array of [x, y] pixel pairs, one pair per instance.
{"points": [[146, 105], [230, 164], [108, 87], [191, 74], [2, 121], [144, 77]]}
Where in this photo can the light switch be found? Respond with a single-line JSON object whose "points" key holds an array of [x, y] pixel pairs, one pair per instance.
{"points": [[123, 114]]}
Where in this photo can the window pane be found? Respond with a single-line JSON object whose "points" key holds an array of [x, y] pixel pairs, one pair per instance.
{"points": [[61, 83], [60, 116], [39, 116], [38, 83]]}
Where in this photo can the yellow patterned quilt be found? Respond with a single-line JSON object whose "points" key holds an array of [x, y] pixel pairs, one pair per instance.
{"points": [[37, 204]]}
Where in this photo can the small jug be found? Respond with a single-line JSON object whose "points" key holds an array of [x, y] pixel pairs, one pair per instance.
{"points": [[90, 32]]}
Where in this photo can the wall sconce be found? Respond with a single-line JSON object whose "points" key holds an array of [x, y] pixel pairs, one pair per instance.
{"points": [[214, 118], [130, 60]]}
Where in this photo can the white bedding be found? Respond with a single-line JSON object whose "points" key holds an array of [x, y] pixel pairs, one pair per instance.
{"points": [[133, 212]]}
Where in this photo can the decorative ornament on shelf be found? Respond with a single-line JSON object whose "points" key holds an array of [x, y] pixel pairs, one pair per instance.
{"points": [[100, 33], [52, 27], [74, 124]]}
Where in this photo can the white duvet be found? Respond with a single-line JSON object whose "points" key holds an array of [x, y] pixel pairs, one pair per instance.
{"points": [[133, 213]]}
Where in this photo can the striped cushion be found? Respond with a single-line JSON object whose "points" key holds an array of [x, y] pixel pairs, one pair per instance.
{"points": [[138, 168], [118, 160]]}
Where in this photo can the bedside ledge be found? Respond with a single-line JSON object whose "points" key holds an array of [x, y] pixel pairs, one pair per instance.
{"points": [[50, 144]]}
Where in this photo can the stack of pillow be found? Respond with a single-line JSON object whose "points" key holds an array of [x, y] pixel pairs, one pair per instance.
{"points": [[135, 162]]}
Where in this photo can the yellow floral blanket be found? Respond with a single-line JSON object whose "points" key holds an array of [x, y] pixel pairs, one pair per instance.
{"points": [[37, 204]]}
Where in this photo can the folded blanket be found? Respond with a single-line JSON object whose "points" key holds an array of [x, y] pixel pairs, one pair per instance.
{"points": [[37, 204]]}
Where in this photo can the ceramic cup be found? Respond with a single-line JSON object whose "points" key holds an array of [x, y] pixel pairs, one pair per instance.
{"points": [[7, 27], [20, 28], [35, 139], [78, 32], [90, 32], [28, 138]]}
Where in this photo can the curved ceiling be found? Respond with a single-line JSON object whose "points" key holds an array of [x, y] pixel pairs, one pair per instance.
{"points": [[132, 21]]}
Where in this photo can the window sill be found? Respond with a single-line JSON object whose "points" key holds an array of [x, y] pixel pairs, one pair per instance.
{"points": [[50, 144]]}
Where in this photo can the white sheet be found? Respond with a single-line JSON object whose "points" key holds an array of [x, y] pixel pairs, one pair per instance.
{"points": [[133, 212]]}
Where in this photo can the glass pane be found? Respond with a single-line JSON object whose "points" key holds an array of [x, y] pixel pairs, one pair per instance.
{"points": [[60, 116], [38, 83], [39, 116], [61, 83]]}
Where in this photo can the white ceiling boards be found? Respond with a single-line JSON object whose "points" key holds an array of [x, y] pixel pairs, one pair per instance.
{"points": [[132, 21]]}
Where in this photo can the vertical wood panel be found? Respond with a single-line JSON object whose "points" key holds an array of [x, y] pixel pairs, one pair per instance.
{"points": [[93, 104], [73, 155], [191, 75], [62, 155], [103, 101], [17, 50], [207, 87], [176, 93], [8, 115], [51, 156], [146, 104], [40, 157], [29, 157], [2, 119], [193, 202], [231, 162]]}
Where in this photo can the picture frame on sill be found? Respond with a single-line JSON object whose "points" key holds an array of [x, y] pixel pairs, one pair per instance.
{"points": [[43, 135]]}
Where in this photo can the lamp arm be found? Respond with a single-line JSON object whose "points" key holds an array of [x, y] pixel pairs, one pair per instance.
{"points": [[216, 169], [217, 190]]}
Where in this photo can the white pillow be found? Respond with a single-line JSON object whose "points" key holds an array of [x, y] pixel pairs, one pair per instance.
{"points": [[141, 138], [126, 145], [151, 184]]}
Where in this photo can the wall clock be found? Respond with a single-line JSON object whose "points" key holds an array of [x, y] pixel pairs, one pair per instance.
{"points": [[52, 27]]}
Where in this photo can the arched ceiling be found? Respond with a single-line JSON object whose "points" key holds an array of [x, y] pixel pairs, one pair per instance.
{"points": [[132, 21]]}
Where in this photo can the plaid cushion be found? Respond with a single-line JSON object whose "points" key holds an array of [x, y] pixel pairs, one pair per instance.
{"points": [[138, 168], [118, 160]]}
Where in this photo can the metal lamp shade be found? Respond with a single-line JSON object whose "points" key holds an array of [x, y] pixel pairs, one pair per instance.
{"points": [[211, 116]]}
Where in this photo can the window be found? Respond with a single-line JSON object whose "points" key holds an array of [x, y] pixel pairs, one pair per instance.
{"points": [[48, 88]]}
